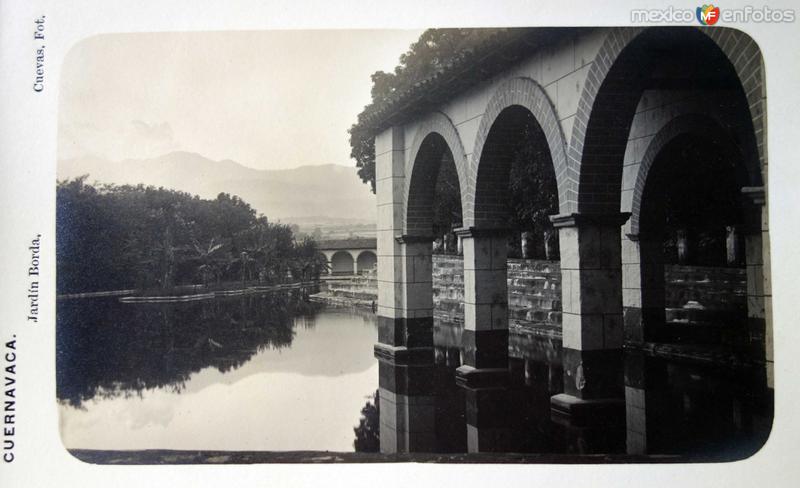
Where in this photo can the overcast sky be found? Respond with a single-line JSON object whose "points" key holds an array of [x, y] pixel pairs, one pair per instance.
{"points": [[268, 100]]}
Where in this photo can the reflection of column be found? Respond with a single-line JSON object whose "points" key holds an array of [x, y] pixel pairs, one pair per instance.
{"points": [[592, 315], [759, 288], [485, 336], [649, 414], [643, 292], [488, 423], [407, 408]]}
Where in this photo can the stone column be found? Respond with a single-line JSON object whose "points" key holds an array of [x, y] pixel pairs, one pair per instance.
{"points": [[759, 288], [731, 245], [643, 292], [682, 242], [355, 265], [592, 315], [485, 336], [527, 245], [403, 326]]}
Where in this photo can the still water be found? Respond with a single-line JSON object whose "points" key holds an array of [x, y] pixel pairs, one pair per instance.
{"points": [[273, 373]]}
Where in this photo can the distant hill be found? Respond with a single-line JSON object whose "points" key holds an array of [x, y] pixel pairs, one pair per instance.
{"points": [[327, 191]]}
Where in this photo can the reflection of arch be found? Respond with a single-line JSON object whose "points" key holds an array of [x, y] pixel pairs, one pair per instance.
{"points": [[342, 263], [436, 137], [622, 69], [367, 260], [491, 144]]}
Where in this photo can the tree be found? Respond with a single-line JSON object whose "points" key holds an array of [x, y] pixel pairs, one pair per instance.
{"points": [[433, 51], [118, 237]]}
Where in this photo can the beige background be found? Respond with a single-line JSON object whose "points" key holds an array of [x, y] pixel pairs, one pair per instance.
{"points": [[28, 154]]}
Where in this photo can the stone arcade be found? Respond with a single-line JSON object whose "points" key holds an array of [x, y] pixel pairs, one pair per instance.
{"points": [[607, 101]]}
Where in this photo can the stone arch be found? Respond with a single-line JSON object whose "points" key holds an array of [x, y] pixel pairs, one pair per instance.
{"points": [[526, 93], [342, 262], [366, 260], [700, 124], [612, 90], [434, 135], [646, 288]]}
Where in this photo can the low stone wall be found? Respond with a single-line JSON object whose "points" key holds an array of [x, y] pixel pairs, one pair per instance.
{"points": [[534, 291], [359, 291], [693, 293]]}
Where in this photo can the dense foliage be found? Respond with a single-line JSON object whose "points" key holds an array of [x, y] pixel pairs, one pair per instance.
{"points": [[119, 237], [434, 50], [532, 193], [368, 435]]}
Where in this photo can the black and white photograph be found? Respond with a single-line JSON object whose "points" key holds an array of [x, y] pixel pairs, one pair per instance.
{"points": [[407, 241]]}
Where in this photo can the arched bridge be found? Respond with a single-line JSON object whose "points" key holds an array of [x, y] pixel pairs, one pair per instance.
{"points": [[349, 256]]}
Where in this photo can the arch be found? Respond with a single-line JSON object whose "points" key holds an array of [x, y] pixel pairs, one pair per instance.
{"points": [[526, 93], [435, 135], [702, 125], [366, 261], [614, 85], [342, 262]]}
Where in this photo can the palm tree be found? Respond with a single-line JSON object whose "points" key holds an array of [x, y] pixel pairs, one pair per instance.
{"points": [[208, 255]]}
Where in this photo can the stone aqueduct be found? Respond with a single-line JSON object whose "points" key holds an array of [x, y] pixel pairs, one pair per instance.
{"points": [[349, 256], [607, 102]]}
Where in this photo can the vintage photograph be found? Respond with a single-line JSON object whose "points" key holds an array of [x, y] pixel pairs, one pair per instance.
{"points": [[449, 245]]}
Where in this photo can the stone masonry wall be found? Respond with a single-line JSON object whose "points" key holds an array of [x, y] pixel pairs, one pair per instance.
{"points": [[534, 292], [693, 293]]}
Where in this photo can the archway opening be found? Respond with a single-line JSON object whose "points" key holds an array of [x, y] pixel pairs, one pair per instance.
{"points": [[434, 212], [516, 187], [516, 190], [366, 262], [692, 207], [342, 263], [661, 64]]}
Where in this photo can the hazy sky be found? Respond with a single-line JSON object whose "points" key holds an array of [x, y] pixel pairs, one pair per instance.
{"points": [[269, 100]]}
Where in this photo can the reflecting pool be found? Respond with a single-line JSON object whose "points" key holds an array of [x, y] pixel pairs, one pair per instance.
{"points": [[274, 373]]}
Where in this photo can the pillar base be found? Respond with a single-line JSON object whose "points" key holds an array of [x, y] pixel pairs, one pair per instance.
{"points": [[419, 356], [480, 378], [573, 411]]}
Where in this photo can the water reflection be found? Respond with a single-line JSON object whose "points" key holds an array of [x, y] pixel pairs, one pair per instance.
{"points": [[684, 407], [272, 372], [294, 383], [106, 348]]}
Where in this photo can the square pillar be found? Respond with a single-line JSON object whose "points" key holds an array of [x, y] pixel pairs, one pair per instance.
{"points": [[390, 187], [592, 312], [410, 332], [485, 334], [643, 287], [759, 288]]}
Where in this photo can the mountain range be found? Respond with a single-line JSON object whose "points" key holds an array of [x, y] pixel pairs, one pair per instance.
{"points": [[324, 192]]}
